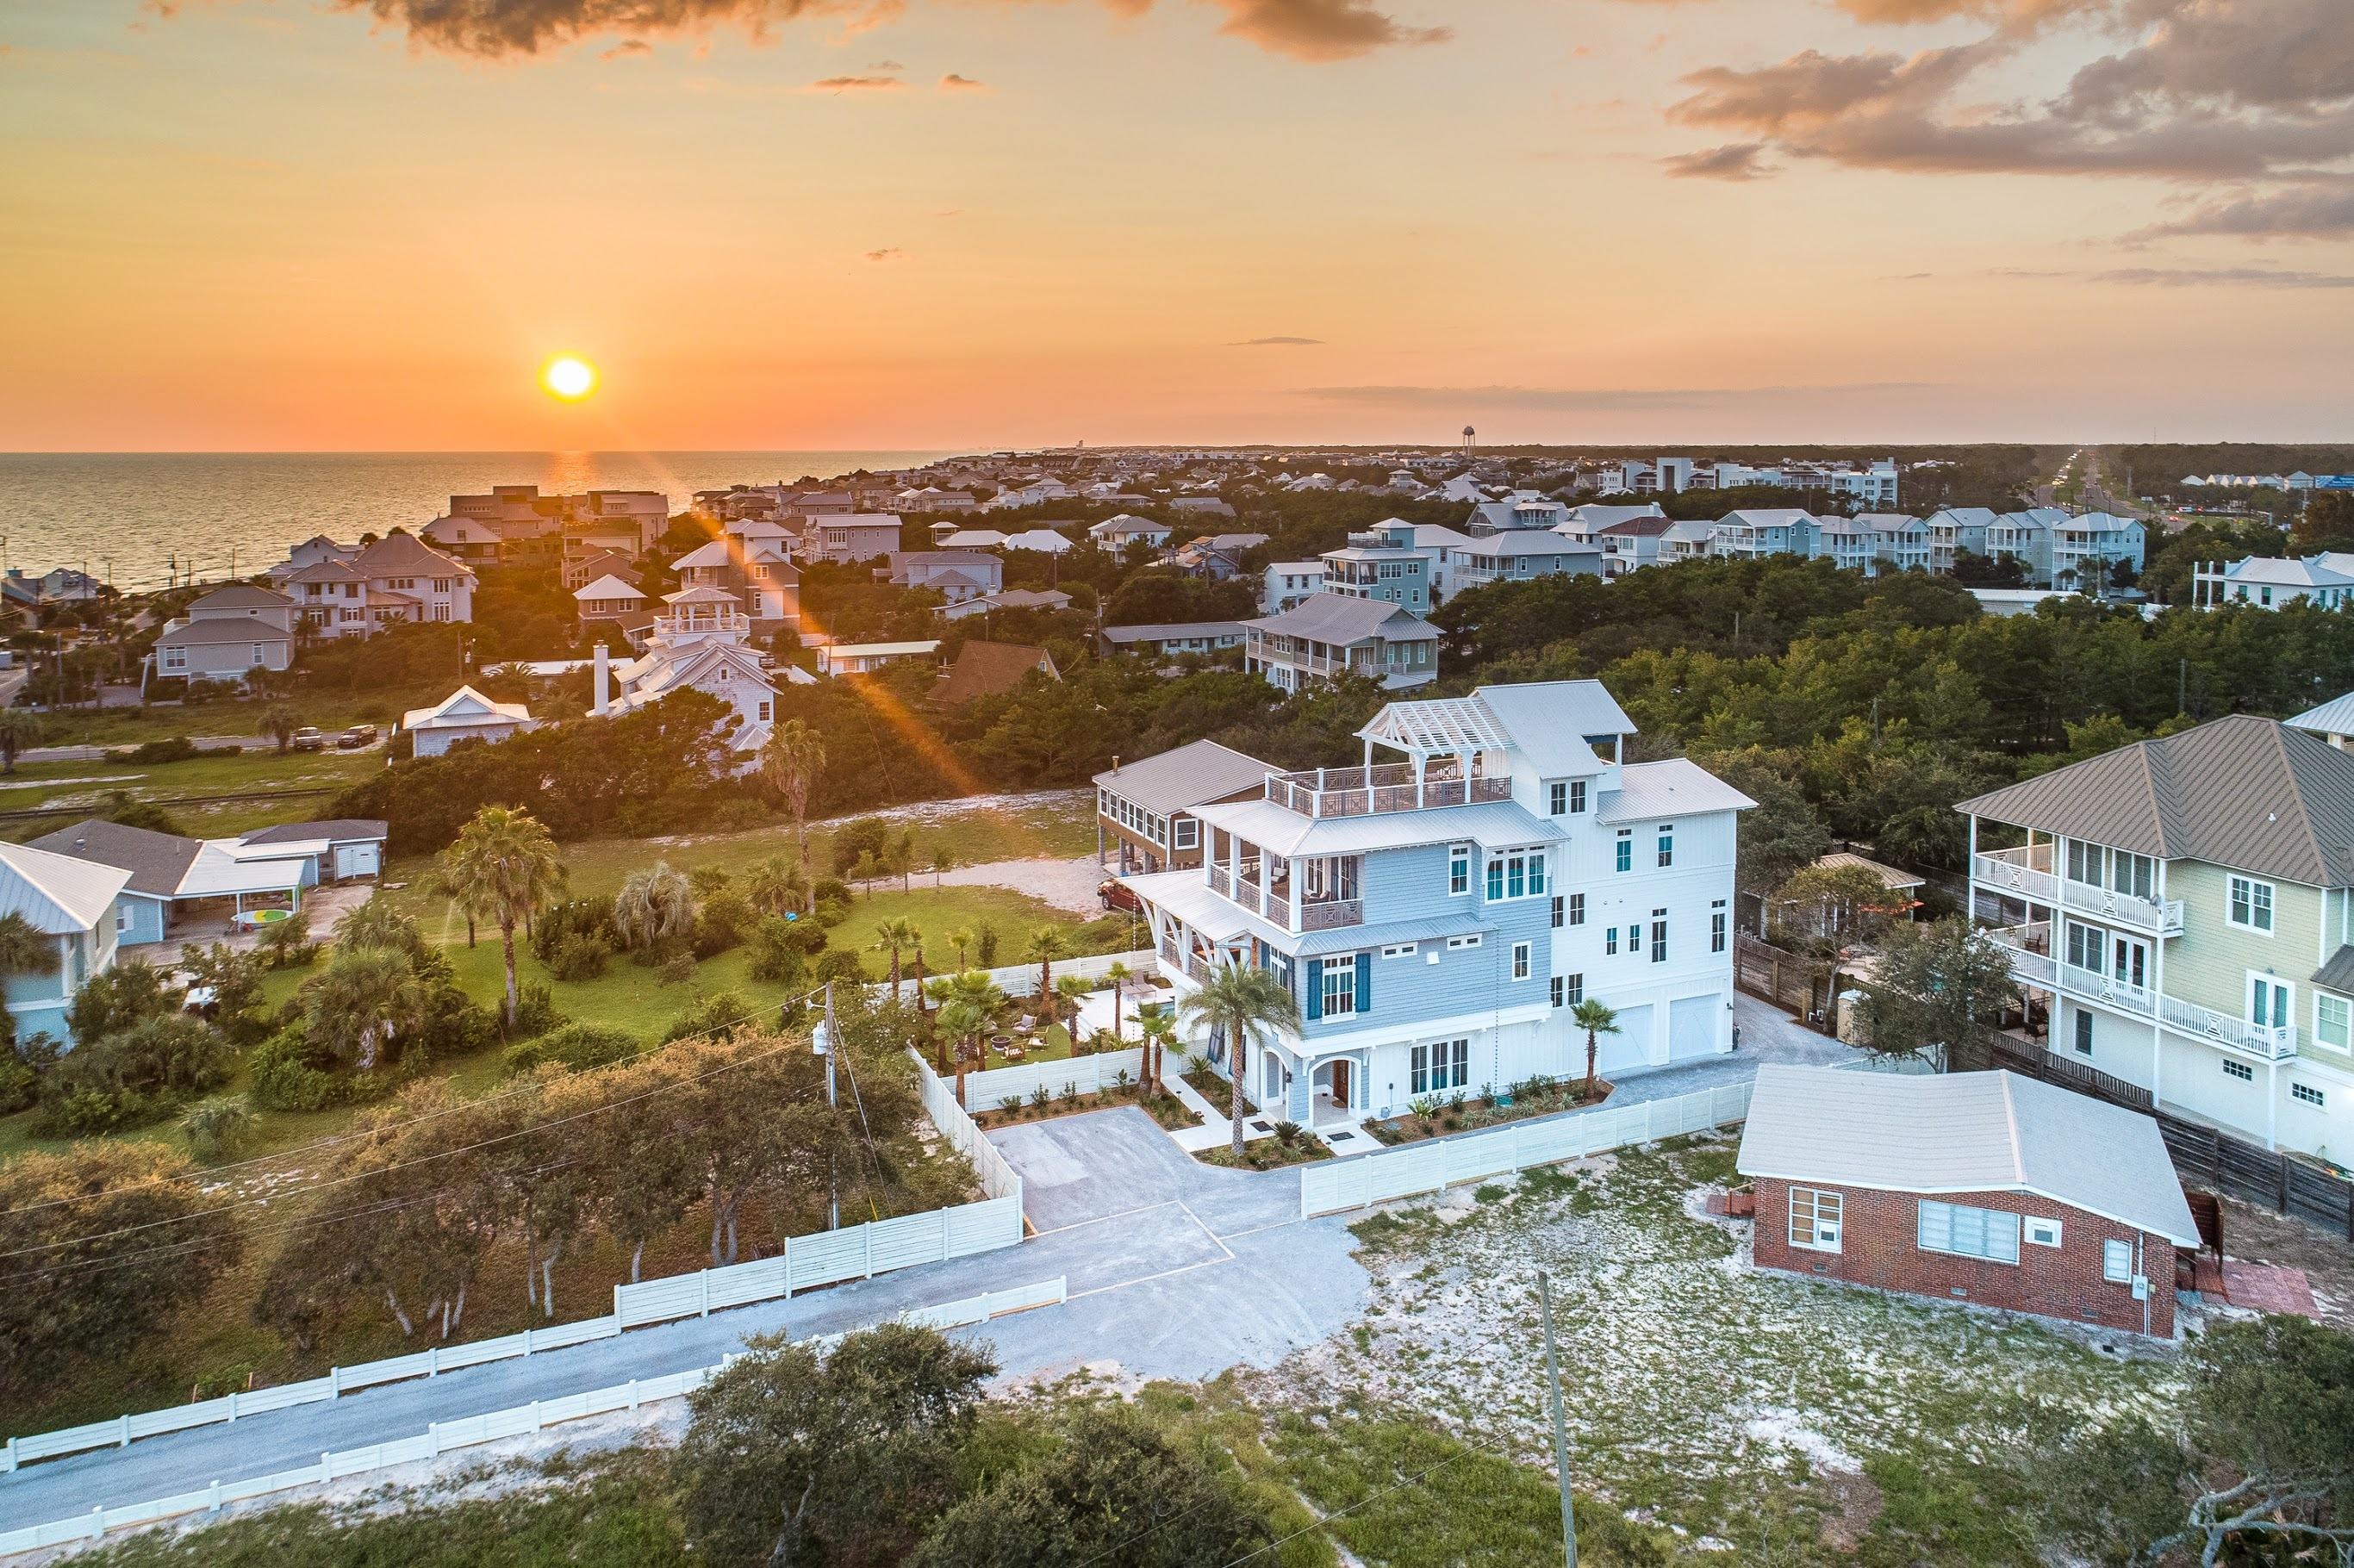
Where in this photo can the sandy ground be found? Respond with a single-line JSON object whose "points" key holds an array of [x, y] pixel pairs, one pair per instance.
{"points": [[1068, 884], [2259, 1235]]}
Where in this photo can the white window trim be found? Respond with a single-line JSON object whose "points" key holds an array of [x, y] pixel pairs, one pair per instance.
{"points": [[2241, 1071], [2040, 1231], [2304, 1093], [2346, 1022], [2247, 989], [1457, 943], [1524, 961], [2110, 1249], [1815, 1240], [2271, 903], [1400, 950]]}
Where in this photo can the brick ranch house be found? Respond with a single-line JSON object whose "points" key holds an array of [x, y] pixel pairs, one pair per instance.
{"points": [[1983, 1187]]}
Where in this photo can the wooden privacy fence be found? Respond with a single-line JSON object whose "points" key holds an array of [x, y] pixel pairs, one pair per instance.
{"points": [[1447, 1161], [442, 1436], [1790, 982], [822, 1257]]}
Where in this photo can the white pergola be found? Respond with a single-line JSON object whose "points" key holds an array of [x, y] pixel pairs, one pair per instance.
{"points": [[1460, 727]]}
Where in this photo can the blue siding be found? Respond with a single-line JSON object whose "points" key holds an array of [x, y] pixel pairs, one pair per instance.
{"points": [[147, 921], [1408, 991]]}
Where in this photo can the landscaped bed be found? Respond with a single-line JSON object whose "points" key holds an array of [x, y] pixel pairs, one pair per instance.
{"points": [[1291, 1145], [1432, 1116], [1045, 1103]]}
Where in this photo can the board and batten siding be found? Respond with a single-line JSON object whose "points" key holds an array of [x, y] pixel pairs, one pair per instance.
{"points": [[2208, 963]]}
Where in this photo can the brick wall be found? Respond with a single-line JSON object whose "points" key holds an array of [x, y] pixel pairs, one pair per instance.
{"points": [[1878, 1247]]}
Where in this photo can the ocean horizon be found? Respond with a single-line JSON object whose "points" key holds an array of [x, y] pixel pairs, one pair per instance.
{"points": [[139, 519]]}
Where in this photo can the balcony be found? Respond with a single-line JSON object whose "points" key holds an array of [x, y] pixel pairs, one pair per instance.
{"points": [[1332, 914], [2150, 915], [703, 622], [2264, 1043], [2109, 991], [1384, 787], [2029, 948], [2024, 872]]}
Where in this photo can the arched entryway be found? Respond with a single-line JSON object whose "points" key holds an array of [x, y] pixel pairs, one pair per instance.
{"points": [[1336, 1090]]}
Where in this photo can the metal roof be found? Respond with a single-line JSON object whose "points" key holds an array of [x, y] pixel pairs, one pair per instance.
{"points": [[607, 587], [221, 631], [334, 830], [1340, 618], [2337, 974], [1549, 721], [58, 895], [1491, 824], [2246, 792], [1165, 631], [1179, 779], [1963, 1132], [2335, 716], [1675, 787]]}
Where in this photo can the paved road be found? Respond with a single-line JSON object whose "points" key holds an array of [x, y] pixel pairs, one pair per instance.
{"points": [[1158, 1253], [1162, 1253]]}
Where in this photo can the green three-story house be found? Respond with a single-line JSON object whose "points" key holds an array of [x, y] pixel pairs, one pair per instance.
{"points": [[2187, 906]]}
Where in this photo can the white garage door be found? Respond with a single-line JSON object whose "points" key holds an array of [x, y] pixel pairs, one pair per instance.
{"points": [[357, 860], [1691, 1026], [1630, 1047]]}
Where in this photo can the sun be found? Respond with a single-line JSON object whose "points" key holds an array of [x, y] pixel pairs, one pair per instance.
{"points": [[568, 376]]}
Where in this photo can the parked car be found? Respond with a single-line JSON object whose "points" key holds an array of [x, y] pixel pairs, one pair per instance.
{"points": [[357, 736], [1114, 893], [308, 738]]}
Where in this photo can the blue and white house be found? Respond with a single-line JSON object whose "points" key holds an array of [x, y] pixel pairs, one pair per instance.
{"points": [[77, 905], [1437, 918]]}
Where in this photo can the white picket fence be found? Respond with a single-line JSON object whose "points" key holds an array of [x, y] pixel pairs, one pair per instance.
{"points": [[1022, 979], [823, 1257], [1445, 1163], [987, 1091], [442, 1436]]}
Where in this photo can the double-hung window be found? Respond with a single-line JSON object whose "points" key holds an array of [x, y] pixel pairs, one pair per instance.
{"points": [[1717, 921], [1557, 991], [1557, 902], [1667, 843], [1967, 1232], [1517, 874], [1340, 983], [1609, 942], [1578, 909], [2251, 903], [1815, 1216], [1459, 870], [2332, 1017], [1573, 990], [1577, 797], [1625, 849], [1557, 800], [1521, 953], [1189, 832], [2116, 1262], [1659, 936]]}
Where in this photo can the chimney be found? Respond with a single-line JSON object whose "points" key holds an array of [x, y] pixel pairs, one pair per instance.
{"points": [[599, 707]]}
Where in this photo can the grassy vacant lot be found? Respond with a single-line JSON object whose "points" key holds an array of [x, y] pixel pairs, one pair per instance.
{"points": [[330, 710], [70, 787], [1777, 1420]]}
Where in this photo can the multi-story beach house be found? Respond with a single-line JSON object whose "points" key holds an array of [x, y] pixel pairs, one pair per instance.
{"points": [[1369, 567], [1331, 634], [1437, 915], [2185, 909]]}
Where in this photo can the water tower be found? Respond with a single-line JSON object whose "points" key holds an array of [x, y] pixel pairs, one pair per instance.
{"points": [[1471, 440]]}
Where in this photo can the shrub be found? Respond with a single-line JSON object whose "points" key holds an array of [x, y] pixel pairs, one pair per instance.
{"points": [[1122, 1078], [988, 948], [287, 943], [1010, 1105], [720, 1012], [286, 1073], [831, 887], [454, 1024], [830, 913], [778, 957], [839, 965], [721, 923], [678, 969], [1071, 1094], [1040, 1097], [19, 1082], [535, 1012], [170, 748], [856, 840], [578, 1047], [582, 955], [558, 924], [1287, 1133], [217, 1128]]}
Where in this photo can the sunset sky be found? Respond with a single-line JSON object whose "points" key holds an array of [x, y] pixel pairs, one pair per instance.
{"points": [[827, 224]]}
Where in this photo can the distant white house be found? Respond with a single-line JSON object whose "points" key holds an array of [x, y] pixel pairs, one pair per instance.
{"points": [[464, 714], [1045, 540], [848, 538], [1285, 583], [395, 579], [2268, 582], [865, 658], [1119, 532], [1333, 634], [956, 575]]}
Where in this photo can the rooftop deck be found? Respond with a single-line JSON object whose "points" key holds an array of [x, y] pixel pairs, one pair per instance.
{"points": [[1384, 787]]}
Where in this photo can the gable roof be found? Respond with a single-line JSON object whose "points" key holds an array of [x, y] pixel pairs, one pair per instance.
{"points": [[1963, 1132], [2241, 792], [221, 630], [334, 830], [606, 587], [1549, 721], [154, 861], [465, 708], [240, 597], [2335, 716], [403, 555], [1339, 618], [715, 554], [1186, 777], [57, 893], [986, 669]]}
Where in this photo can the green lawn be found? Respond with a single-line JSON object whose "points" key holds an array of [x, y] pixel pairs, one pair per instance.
{"points": [[329, 710], [87, 784]]}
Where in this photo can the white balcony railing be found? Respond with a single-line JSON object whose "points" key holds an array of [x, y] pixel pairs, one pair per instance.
{"points": [[2014, 871], [2029, 948], [2108, 990], [2162, 919], [2266, 1043]]}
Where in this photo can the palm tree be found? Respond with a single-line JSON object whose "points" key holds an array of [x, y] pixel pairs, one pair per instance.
{"points": [[1596, 1021], [654, 906], [25, 950], [899, 855], [280, 722], [944, 861], [1069, 990], [962, 940], [1118, 974], [364, 997], [503, 866], [18, 730], [895, 935], [793, 762], [1243, 1004], [776, 885], [1160, 1031], [968, 1001], [1048, 943]]}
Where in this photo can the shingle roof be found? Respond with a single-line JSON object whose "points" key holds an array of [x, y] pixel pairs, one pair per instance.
{"points": [[241, 595], [1179, 779], [156, 862], [1963, 1132], [986, 669], [2241, 791], [335, 829], [220, 631], [1339, 618]]}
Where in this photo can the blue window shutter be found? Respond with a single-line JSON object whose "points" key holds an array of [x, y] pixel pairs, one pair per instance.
{"points": [[1364, 982], [1315, 990]]}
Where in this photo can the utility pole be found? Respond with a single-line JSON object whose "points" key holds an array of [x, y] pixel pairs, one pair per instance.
{"points": [[821, 1040], [1560, 1422]]}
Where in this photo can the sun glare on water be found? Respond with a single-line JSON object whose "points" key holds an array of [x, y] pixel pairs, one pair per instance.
{"points": [[569, 378]]}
